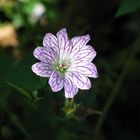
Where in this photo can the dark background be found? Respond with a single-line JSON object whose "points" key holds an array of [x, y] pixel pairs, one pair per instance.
{"points": [[28, 107]]}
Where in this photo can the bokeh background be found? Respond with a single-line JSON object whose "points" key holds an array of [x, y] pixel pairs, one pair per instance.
{"points": [[110, 110]]}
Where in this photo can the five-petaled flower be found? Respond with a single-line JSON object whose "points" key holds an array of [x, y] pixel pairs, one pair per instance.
{"points": [[67, 62]]}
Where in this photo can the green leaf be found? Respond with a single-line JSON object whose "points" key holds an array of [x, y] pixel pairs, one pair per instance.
{"points": [[22, 91], [18, 21], [128, 6], [5, 63], [21, 75], [29, 8]]}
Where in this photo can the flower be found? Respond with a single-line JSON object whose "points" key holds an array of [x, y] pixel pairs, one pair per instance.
{"points": [[67, 63]]}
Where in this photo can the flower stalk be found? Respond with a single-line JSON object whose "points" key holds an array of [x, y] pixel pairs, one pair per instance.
{"points": [[70, 108]]}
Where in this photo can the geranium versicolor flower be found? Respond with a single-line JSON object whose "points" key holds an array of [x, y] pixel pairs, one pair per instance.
{"points": [[67, 62]]}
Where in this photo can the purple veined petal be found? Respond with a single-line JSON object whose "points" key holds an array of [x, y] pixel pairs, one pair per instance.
{"points": [[68, 49], [50, 41], [70, 88], [87, 53], [80, 80], [84, 39], [44, 54], [78, 42], [62, 37], [56, 81], [64, 42], [89, 70], [42, 69], [78, 62]]}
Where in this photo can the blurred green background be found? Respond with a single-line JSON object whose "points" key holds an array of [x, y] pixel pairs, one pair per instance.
{"points": [[110, 110]]}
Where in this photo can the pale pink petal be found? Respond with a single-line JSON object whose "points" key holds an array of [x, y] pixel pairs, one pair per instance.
{"points": [[64, 42], [56, 81], [61, 53], [89, 70], [80, 80], [79, 42], [78, 62], [44, 54], [50, 41], [42, 69], [86, 54], [70, 88], [62, 37]]}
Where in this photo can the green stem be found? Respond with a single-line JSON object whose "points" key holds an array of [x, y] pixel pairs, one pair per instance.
{"points": [[116, 88], [70, 108]]}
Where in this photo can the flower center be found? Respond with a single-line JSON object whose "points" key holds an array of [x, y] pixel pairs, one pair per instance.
{"points": [[61, 68]]}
